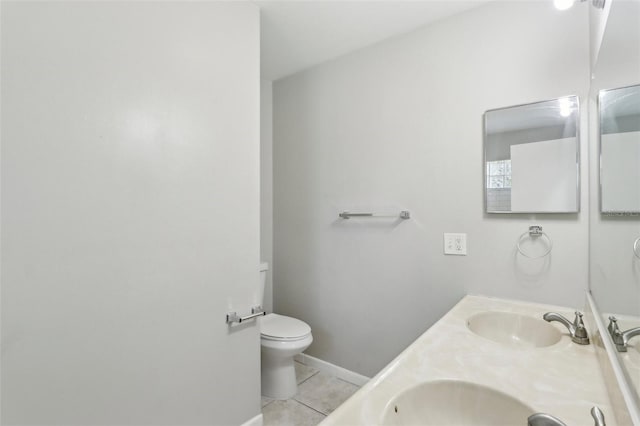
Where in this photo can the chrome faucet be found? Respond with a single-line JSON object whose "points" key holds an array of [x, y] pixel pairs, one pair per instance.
{"points": [[598, 416], [621, 338], [543, 419], [577, 330]]}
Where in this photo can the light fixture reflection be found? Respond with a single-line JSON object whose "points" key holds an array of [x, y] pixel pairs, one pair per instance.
{"points": [[563, 4], [566, 108]]}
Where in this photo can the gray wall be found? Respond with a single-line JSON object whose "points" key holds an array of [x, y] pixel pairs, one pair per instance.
{"points": [[130, 203], [266, 186], [399, 126]]}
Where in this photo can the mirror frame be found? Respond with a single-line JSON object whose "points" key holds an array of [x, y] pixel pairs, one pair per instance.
{"points": [[578, 157]]}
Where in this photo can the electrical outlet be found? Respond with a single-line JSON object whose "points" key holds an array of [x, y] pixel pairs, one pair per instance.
{"points": [[455, 244]]}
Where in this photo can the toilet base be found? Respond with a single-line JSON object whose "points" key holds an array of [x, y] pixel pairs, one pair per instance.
{"points": [[278, 377], [278, 369]]}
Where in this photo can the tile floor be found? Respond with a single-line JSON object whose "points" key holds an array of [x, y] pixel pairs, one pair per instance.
{"points": [[318, 395]]}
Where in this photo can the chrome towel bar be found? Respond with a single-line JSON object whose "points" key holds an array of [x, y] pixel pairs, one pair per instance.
{"points": [[256, 311], [404, 214]]}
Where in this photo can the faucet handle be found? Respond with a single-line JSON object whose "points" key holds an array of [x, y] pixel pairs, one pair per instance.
{"points": [[598, 416], [616, 334], [613, 324], [580, 335], [613, 328]]}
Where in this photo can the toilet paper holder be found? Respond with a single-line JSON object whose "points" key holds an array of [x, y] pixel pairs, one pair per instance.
{"points": [[256, 311]]}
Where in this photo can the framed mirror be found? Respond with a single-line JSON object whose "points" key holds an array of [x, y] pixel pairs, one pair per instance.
{"points": [[619, 111], [531, 158]]}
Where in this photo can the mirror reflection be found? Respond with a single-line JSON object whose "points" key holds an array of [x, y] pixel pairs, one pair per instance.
{"points": [[531, 157], [620, 150], [614, 277]]}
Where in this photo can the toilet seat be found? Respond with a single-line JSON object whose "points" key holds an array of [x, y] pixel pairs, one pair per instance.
{"points": [[281, 327]]}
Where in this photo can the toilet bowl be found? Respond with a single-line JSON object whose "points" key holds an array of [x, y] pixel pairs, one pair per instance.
{"points": [[281, 338]]}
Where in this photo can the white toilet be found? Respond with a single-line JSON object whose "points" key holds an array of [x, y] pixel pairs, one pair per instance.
{"points": [[281, 338]]}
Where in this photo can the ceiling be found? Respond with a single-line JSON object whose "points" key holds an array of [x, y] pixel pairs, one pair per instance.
{"points": [[298, 34]]}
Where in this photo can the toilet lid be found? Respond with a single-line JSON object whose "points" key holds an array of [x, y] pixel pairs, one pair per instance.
{"points": [[280, 326]]}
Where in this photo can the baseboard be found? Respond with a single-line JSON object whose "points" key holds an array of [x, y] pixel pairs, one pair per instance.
{"points": [[334, 370], [254, 421]]}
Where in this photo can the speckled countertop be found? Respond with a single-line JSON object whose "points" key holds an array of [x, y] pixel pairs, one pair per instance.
{"points": [[563, 379]]}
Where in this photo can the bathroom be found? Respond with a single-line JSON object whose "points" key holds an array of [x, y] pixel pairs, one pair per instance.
{"points": [[152, 158]]}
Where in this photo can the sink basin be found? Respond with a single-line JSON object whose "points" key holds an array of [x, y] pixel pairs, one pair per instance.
{"points": [[514, 330], [454, 403]]}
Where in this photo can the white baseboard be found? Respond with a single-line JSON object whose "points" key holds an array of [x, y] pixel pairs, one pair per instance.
{"points": [[255, 421], [334, 370]]}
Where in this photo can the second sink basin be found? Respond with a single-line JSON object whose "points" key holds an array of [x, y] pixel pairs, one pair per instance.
{"points": [[514, 330], [454, 403]]}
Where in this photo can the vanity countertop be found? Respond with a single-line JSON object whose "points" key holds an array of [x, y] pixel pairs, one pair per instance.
{"points": [[563, 379]]}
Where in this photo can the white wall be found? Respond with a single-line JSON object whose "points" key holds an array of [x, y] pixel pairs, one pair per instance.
{"points": [[399, 126], [130, 200], [266, 186]]}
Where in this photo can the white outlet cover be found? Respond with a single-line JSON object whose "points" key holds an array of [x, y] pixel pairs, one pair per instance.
{"points": [[455, 243]]}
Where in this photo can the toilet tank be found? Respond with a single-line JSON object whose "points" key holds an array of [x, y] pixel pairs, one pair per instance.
{"points": [[264, 267]]}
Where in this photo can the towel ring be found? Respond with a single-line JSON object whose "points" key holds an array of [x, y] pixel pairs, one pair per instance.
{"points": [[636, 247], [535, 232]]}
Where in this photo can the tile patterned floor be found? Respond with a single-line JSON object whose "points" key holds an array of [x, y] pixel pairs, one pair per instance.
{"points": [[318, 395]]}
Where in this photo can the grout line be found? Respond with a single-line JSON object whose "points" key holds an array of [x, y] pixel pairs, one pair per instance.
{"points": [[332, 369], [331, 375], [317, 371], [311, 368], [308, 406], [348, 382], [267, 404], [311, 407]]}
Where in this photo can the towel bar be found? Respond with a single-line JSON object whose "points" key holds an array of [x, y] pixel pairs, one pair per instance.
{"points": [[256, 311], [404, 214]]}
